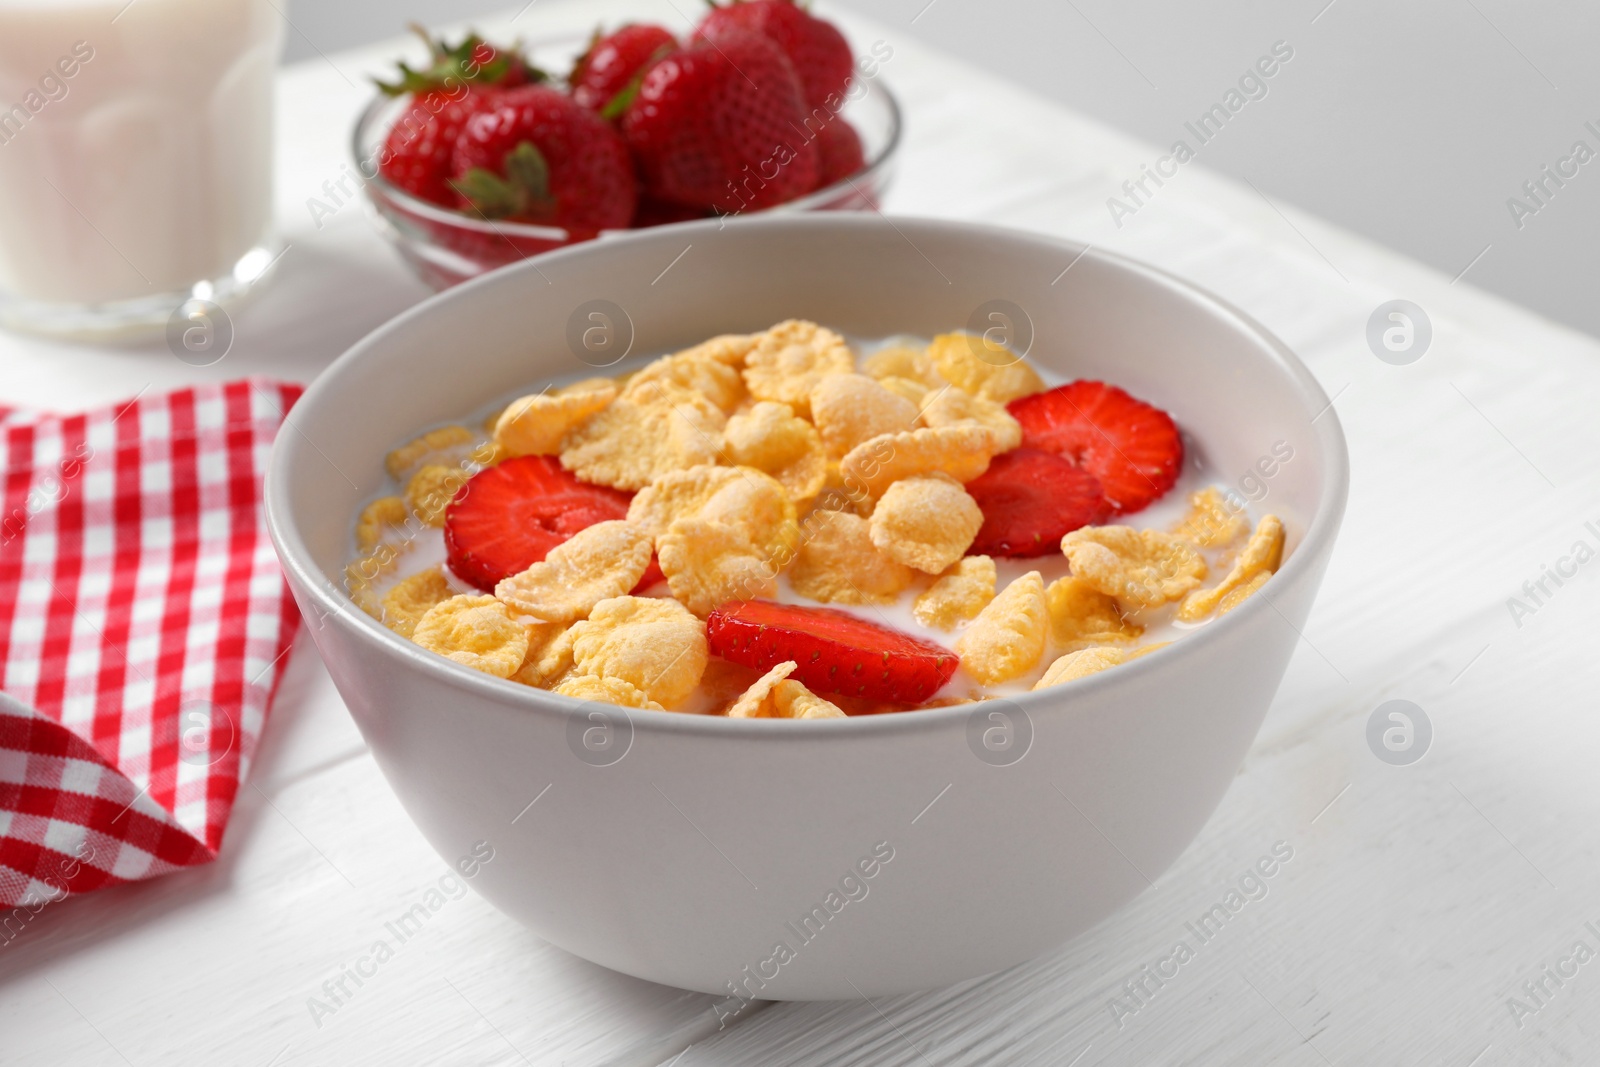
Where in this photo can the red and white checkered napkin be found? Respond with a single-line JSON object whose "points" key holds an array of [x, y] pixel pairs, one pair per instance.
{"points": [[144, 623]]}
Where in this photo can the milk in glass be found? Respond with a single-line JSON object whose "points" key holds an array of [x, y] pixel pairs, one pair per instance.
{"points": [[135, 156]]}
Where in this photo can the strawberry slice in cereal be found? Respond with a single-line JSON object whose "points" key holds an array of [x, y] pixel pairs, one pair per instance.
{"points": [[835, 651], [508, 517], [1032, 499], [1135, 449]]}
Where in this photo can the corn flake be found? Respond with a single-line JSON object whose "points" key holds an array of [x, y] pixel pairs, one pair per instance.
{"points": [[534, 425], [950, 406], [756, 701], [653, 644], [384, 513], [982, 367], [697, 371], [1081, 664], [590, 385], [908, 389], [606, 691], [1092, 660], [1007, 638], [926, 522], [962, 452], [1141, 568], [838, 563], [789, 359], [1240, 593], [1262, 555], [549, 657], [678, 495], [431, 489], [792, 700], [596, 563], [774, 696], [409, 599], [634, 440], [729, 348], [902, 361], [742, 497], [837, 496], [770, 438], [476, 632], [708, 563], [1081, 615], [851, 408], [959, 594], [433, 445], [1211, 521]]}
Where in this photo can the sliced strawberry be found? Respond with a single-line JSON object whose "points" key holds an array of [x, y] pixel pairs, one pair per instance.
{"points": [[836, 651], [511, 515], [1030, 500], [1134, 449]]}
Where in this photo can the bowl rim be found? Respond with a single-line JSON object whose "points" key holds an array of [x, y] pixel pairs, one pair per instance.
{"points": [[514, 699], [376, 184]]}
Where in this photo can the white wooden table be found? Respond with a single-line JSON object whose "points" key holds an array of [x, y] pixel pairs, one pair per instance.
{"points": [[1418, 899]]}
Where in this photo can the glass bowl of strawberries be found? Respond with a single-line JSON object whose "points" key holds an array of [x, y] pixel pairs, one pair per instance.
{"points": [[482, 158]]}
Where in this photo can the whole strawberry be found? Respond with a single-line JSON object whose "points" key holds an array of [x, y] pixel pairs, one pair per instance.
{"points": [[472, 62], [839, 151], [537, 156], [651, 212], [819, 52], [721, 125], [613, 62], [460, 81]]}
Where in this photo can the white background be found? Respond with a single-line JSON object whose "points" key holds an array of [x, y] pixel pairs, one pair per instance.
{"points": [[1411, 123]]}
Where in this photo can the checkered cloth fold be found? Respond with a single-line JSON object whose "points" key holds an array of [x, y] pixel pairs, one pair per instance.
{"points": [[144, 624]]}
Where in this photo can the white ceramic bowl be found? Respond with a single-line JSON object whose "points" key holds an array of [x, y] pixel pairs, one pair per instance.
{"points": [[686, 849]]}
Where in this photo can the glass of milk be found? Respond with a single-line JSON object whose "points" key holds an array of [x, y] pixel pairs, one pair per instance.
{"points": [[135, 159]]}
